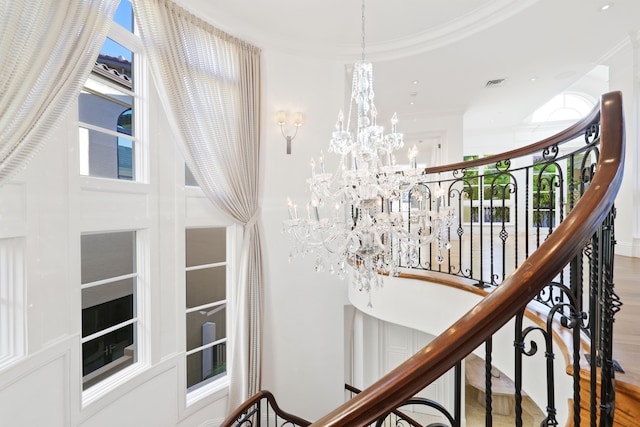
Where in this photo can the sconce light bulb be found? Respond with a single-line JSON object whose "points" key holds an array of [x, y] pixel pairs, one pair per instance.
{"points": [[281, 117]]}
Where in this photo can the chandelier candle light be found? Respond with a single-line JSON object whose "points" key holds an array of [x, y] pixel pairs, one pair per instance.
{"points": [[371, 215]]}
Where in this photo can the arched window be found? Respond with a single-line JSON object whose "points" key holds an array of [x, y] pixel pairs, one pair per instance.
{"points": [[124, 122], [565, 106]]}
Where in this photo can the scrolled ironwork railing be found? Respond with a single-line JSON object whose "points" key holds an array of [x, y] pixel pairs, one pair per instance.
{"points": [[548, 227], [506, 204], [535, 232], [398, 417], [262, 410]]}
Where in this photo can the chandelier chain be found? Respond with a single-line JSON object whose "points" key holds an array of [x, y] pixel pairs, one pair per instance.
{"points": [[363, 39]]}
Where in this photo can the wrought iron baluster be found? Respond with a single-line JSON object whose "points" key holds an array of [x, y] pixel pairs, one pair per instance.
{"points": [[611, 305], [488, 346], [457, 410], [518, 344]]}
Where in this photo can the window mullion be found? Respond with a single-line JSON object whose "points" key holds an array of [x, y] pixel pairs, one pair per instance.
{"points": [[205, 266], [206, 346], [108, 330], [109, 280], [221, 304]]}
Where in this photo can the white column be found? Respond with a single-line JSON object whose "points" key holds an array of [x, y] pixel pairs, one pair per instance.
{"points": [[632, 124]]}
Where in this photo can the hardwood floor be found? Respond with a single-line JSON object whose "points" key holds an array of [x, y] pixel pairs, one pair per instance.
{"points": [[626, 329]]}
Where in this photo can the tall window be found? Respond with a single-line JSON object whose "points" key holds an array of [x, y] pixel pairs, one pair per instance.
{"points": [[110, 146], [206, 306], [109, 287], [109, 141]]}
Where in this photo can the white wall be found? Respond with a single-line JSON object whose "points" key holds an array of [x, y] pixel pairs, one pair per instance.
{"points": [[304, 310], [426, 130], [624, 75]]}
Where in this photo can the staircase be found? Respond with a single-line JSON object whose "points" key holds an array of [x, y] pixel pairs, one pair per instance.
{"points": [[553, 202]]}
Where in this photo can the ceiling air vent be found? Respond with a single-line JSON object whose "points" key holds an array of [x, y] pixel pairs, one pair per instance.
{"points": [[495, 83]]}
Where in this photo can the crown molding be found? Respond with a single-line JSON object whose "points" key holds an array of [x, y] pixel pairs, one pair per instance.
{"points": [[464, 26]]}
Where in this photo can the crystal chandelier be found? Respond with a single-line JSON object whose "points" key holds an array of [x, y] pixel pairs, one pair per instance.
{"points": [[371, 215]]}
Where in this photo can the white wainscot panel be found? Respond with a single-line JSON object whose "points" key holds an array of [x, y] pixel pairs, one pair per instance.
{"points": [[199, 207], [152, 403], [12, 209], [38, 397], [109, 210]]}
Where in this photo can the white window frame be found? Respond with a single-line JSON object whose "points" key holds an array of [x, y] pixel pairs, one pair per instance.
{"points": [[139, 186], [139, 93], [12, 300], [141, 301], [222, 383]]}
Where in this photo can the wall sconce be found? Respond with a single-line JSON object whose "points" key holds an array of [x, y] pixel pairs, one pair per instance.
{"points": [[281, 117]]}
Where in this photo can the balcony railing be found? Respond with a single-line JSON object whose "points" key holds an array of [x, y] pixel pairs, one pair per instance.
{"points": [[535, 230]]}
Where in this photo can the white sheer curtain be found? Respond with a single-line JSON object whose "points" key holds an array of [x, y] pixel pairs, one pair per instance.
{"points": [[47, 50], [210, 83]]}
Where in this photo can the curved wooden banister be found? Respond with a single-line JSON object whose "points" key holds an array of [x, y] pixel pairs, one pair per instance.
{"points": [[512, 295], [231, 420]]}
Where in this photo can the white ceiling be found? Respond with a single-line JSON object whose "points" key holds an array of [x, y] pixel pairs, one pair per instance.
{"points": [[451, 47]]}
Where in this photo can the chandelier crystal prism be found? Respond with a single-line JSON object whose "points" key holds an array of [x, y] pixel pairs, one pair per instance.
{"points": [[372, 215]]}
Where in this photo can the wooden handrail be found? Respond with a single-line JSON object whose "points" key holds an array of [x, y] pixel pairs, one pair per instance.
{"points": [[511, 296], [534, 148], [232, 419]]}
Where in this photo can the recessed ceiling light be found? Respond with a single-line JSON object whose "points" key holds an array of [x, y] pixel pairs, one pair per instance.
{"points": [[533, 79], [605, 7], [411, 103], [415, 82]]}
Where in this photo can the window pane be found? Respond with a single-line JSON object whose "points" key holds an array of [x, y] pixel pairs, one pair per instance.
{"points": [[205, 246], [107, 255], [108, 354], [206, 286], [106, 156], [496, 214], [108, 110], [206, 365], [124, 15], [111, 308], [189, 179], [126, 154], [115, 62], [206, 326], [470, 214]]}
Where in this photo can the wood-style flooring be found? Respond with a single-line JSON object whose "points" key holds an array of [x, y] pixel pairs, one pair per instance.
{"points": [[626, 329]]}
